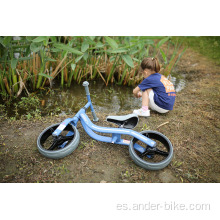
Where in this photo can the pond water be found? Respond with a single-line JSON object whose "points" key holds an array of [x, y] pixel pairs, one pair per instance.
{"points": [[111, 99]]}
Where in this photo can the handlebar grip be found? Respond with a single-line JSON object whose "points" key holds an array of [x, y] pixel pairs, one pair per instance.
{"points": [[86, 85]]}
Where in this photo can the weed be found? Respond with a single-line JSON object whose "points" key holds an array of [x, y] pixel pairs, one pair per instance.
{"points": [[29, 102], [92, 143], [29, 116], [29, 105], [82, 145], [176, 164], [110, 91], [16, 110], [63, 169], [126, 174], [145, 127], [37, 114], [12, 118]]}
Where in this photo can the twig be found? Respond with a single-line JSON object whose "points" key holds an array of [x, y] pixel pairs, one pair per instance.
{"points": [[54, 73], [22, 85], [63, 67], [163, 124], [48, 169], [101, 76]]}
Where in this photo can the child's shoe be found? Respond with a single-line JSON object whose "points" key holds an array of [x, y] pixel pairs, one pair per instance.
{"points": [[141, 112]]}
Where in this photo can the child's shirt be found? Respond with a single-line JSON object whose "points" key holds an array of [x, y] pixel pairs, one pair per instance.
{"points": [[164, 93]]}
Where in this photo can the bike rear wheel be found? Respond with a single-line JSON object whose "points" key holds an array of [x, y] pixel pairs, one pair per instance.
{"points": [[59, 146], [149, 158]]}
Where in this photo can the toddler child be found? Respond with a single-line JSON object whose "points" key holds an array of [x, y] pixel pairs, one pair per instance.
{"points": [[156, 90]]}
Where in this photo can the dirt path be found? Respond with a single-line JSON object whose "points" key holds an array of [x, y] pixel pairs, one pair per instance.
{"points": [[193, 128]]}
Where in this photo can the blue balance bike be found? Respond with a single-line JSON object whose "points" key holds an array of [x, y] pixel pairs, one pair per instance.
{"points": [[148, 149]]}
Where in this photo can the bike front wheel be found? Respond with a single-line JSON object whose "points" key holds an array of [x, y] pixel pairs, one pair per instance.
{"points": [[149, 158], [59, 146]]}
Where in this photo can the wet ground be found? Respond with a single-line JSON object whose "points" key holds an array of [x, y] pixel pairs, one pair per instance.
{"points": [[193, 128]]}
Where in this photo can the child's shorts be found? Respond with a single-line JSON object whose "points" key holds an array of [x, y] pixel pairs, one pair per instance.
{"points": [[152, 104]]}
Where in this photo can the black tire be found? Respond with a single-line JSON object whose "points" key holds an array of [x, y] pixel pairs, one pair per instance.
{"points": [[62, 148], [152, 159]]}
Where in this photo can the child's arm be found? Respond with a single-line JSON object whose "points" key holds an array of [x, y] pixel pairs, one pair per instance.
{"points": [[137, 92]]}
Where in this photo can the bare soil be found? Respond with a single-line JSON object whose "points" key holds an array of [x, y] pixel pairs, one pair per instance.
{"points": [[193, 128]]}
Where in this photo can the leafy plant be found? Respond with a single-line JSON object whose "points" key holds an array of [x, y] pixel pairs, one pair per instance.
{"points": [[31, 63]]}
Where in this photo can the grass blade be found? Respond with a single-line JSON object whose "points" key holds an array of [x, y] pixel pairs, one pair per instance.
{"points": [[161, 42], [164, 56], [45, 75]]}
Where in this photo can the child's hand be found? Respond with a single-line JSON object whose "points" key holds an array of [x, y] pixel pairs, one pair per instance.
{"points": [[139, 94]]}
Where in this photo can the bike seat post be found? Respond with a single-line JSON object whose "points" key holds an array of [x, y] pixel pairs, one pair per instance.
{"points": [[86, 85]]}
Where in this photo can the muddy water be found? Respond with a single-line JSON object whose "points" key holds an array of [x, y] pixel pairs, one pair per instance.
{"points": [[110, 99]]}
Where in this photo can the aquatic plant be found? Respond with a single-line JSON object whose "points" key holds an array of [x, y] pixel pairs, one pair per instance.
{"points": [[31, 63]]}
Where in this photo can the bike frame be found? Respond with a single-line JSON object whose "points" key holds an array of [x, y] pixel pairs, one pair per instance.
{"points": [[91, 128]]}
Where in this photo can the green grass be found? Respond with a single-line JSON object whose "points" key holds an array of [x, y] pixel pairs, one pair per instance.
{"points": [[208, 46]]}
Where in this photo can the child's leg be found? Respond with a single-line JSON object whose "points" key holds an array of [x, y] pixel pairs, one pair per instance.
{"points": [[145, 99], [144, 111]]}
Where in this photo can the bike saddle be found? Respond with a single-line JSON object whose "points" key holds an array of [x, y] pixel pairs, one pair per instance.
{"points": [[125, 121]]}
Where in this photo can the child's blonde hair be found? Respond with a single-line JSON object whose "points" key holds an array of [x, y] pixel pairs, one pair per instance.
{"points": [[150, 63]]}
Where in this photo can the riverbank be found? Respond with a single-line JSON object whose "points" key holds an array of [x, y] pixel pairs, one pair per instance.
{"points": [[193, 128]]}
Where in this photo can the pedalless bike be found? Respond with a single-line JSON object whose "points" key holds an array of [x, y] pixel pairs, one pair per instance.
{"points": [[150, 150]]}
